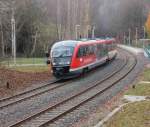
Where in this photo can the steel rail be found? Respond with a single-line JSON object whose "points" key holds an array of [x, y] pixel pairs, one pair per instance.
{"points": [[5, 102], [83, 102], [69, 98], [28, 94], [22, 93]]}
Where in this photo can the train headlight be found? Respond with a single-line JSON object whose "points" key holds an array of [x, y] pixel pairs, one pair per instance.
{"points": [[68, 62], [61, 61], [64, 63], [54, 63]]}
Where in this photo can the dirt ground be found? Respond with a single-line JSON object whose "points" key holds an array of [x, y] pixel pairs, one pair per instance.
{"points": [[18, 81]]}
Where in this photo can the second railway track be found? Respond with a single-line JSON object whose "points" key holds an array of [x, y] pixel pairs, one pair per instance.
{"points": [[28, 94], [52, 113]]}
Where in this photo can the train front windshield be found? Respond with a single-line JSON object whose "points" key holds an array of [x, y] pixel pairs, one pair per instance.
{"points": [[61, 55]]}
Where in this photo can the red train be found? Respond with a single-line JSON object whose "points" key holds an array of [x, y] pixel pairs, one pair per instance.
{"points": [[71, 58]]}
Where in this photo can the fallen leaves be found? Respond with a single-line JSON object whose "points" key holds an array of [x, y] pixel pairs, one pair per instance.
{"points": [[19, 80]]}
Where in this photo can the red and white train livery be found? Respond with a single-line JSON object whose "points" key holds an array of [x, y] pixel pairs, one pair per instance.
{"points": [[70, 58]]}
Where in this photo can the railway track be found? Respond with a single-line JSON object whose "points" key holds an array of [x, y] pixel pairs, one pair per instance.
{"points": [[52, 113], [9, 101], [5, 102], [18, 98]]}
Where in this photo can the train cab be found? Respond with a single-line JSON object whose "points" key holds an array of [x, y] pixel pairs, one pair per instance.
{"points": [[61, 57]]}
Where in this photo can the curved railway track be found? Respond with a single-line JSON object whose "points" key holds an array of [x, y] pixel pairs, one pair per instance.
{"points": [[60, 109], [5, 102], [18, 98]]}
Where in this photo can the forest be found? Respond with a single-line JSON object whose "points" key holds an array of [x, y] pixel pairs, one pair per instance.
{"points": [[40, 23]]}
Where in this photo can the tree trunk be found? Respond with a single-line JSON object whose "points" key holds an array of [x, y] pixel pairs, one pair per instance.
{"points": [[68, 20], [34, 45], [3, 45], [2, 42], [59, 31]]}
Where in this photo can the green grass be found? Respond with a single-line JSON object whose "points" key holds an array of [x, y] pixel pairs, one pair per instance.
{"points": [[140, 90], [132, 115], [146, 75], [32, 69], [136, 114], [24, 61]]}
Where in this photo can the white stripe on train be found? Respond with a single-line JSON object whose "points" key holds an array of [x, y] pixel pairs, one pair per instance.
{"points": [[97, 62]]}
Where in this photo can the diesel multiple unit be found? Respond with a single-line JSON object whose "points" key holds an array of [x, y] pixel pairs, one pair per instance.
{"points": [[70, 58]]}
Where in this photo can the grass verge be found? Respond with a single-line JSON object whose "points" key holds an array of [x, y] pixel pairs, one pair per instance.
{"points": [[132, 115], [140, 90], [136, 114], [146, 75], [32, 69], [24, 61], [27, 65]]}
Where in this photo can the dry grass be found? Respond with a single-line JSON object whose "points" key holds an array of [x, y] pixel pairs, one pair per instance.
{"points": [[24, 61], [19, 81], [137, 114], [140, 90], [146, 74], [32, 69], [132, 115]]}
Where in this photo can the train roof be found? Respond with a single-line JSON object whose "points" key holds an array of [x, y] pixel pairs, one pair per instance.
{"points": [[73, 43]]}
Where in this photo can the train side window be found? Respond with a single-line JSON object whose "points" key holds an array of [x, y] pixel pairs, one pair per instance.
{"points": [[95, 49], [105, 49], [80, 52], [102, 50], [91, 50], [99, 50], [88, 50], [85, 49]]}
